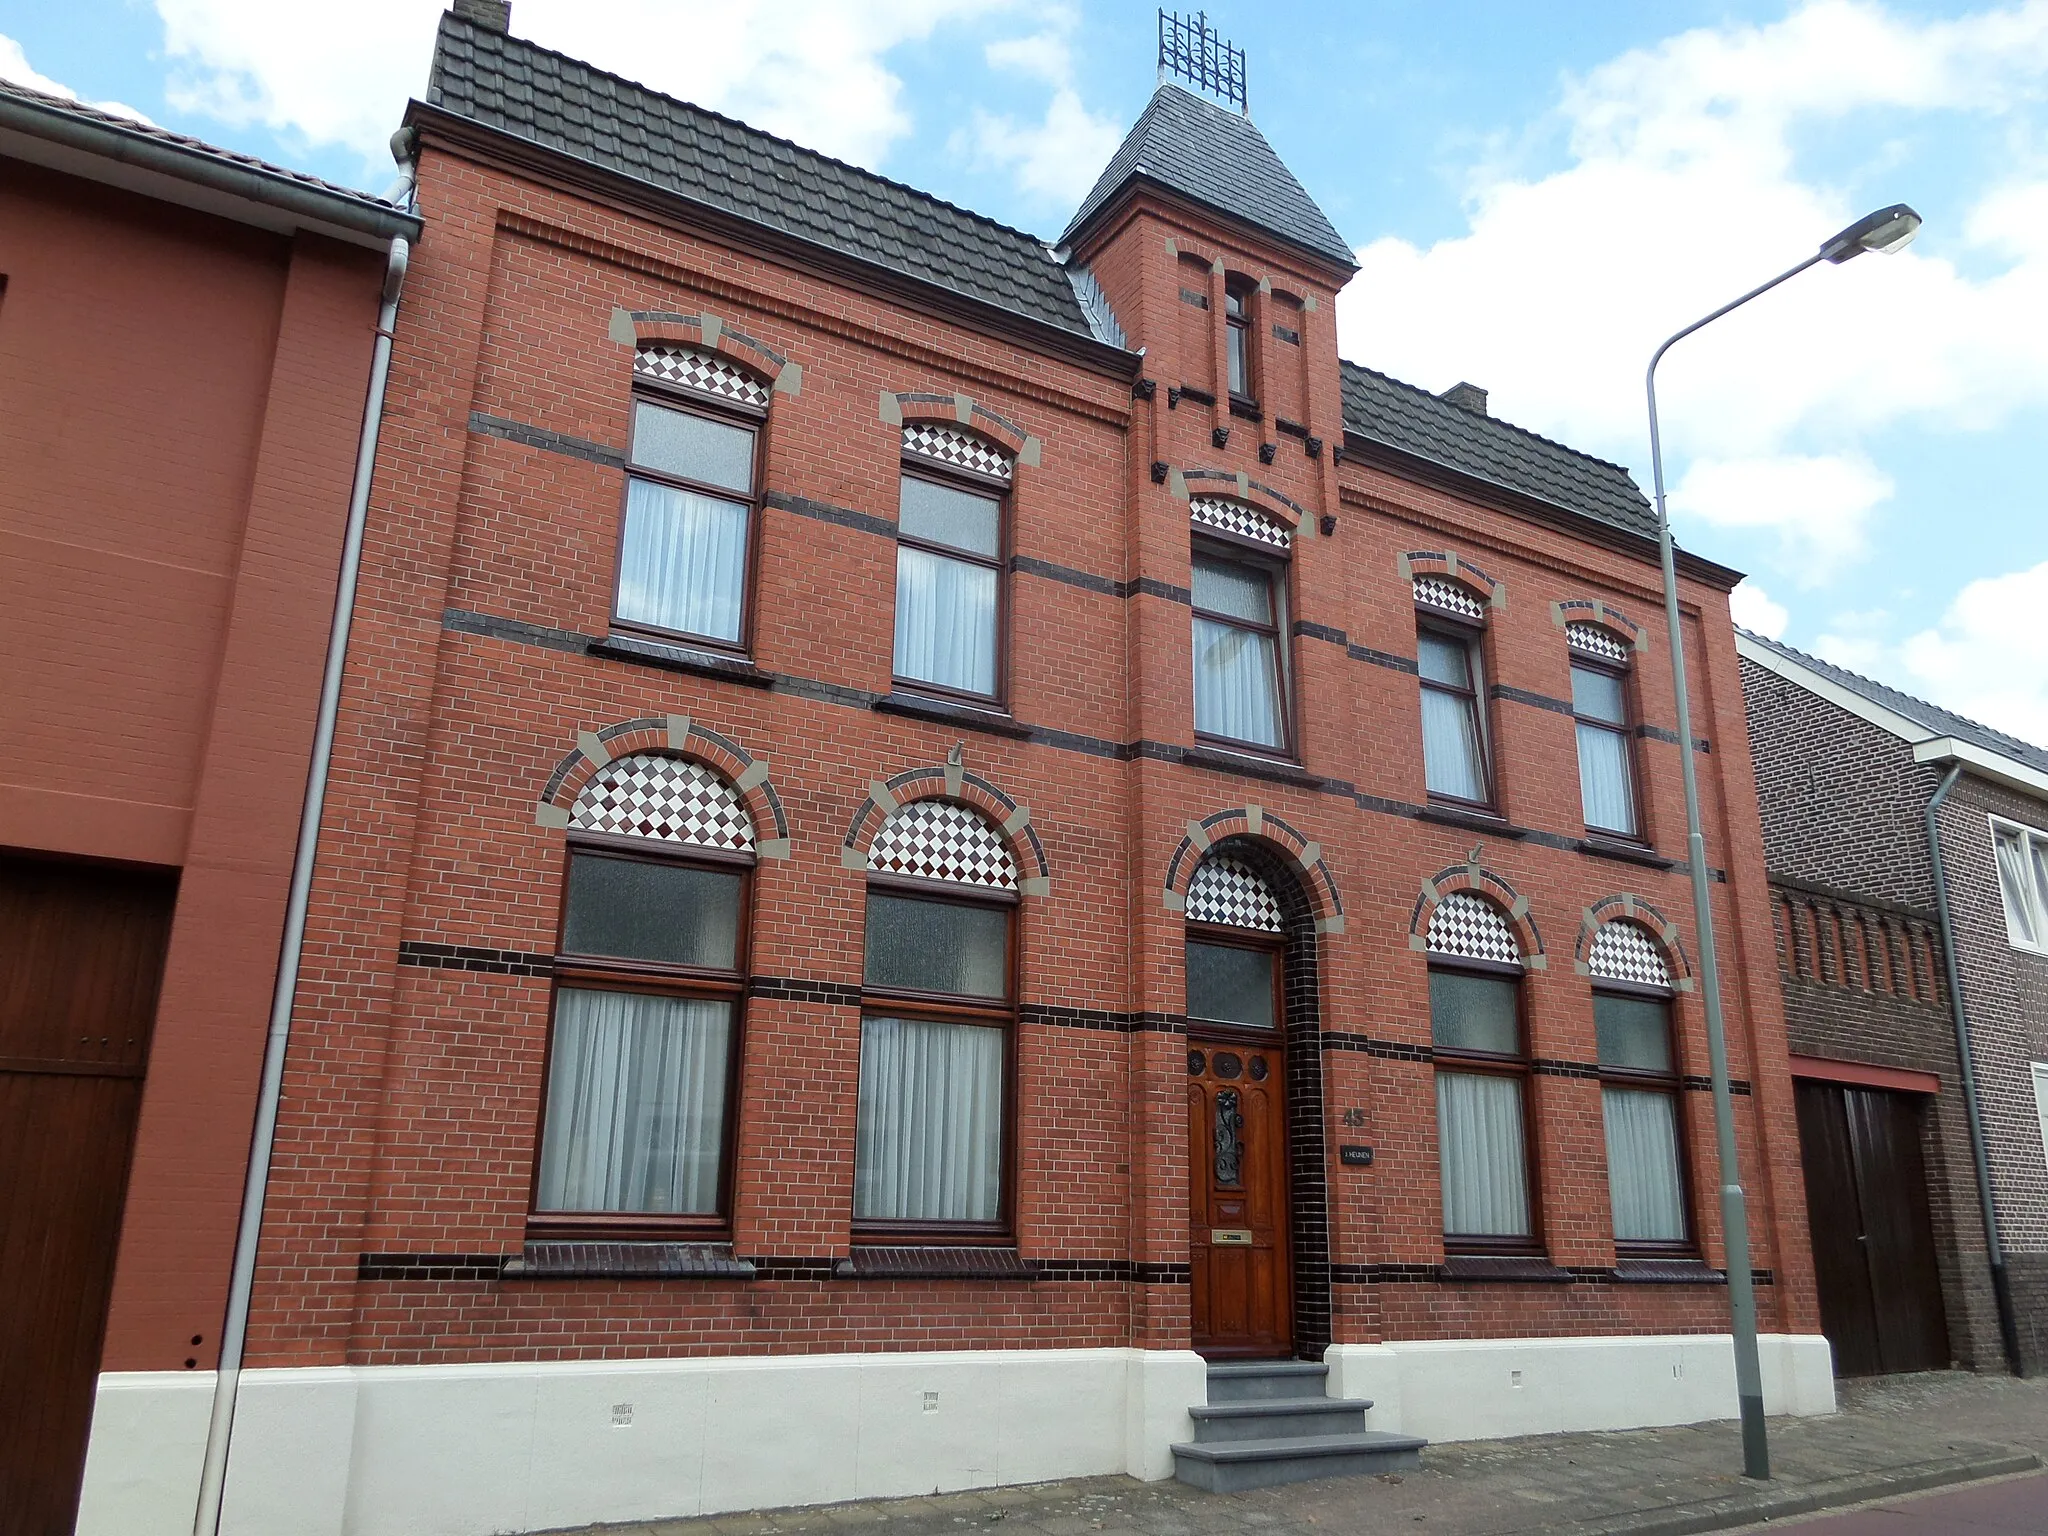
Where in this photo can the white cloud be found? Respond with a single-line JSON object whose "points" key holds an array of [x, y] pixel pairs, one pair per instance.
{"points": [[1819, 506], [1988, 657], [1056, 159], [1754, 610], [14, 65]]}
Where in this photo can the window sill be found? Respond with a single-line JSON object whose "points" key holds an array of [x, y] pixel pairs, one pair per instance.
{"points": [[1246, 409], [1667, 1272], [918, 707], [1224, 760], [893, 1262], [680, 658], [627, 1261], [1625, 853], [1471, 821], [1510, 1268]]}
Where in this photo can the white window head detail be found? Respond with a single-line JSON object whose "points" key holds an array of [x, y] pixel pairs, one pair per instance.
{"points": [[706, 373], [942, 444], [940, 840], [1235, 517], [1451, 596], [1471, 926], [1232, 893], [1625, 951], [1596, 641], [668, 799]]}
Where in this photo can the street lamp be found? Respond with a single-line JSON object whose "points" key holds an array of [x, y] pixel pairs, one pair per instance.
{"points": [[1885, 231]]}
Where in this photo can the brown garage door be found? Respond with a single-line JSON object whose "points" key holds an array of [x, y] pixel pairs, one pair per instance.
{"points": [[81, 955], [1873, 1244]]}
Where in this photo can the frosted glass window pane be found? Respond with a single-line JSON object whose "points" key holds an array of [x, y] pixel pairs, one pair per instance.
{"points": [[1482, 1156], [1443, 660], [1473, 1013], [635, 910], [929, 1141], [1634, 1032], [1642, 1165], [945, 514], [693, 447], [1230, 985], [937, 946], [1452, 763], [1236, 591], [1599, 695], [683, 562], [945, 621]]}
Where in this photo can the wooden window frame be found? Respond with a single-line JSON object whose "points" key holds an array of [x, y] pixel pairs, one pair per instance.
{"points": [[726, 413], [1631, 719], [1277, 566], [952, 1008], [609, 973], [1238, 333], [1672, 1084], [952, 477], [1224, 935], [1429, 619], [1518, 1066]]}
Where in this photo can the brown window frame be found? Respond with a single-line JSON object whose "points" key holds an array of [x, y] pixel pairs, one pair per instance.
{"points": [[1429, 619], [1238, 345], [1278, 568], [955, 478], [725, 413], [952, 1008], [1225, 936], [1672, 1084], [1631, 719], [1520, 1067], [609, 973]]}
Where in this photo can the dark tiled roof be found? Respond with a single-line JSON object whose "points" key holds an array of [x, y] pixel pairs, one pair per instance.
{"points": [[1219, 159], [1941, 722], [553, 100], [1416, 422]]}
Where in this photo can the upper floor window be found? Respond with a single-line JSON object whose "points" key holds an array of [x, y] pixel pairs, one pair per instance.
{"points": [[949, 562], [1600, 706], [1240, 619], [648, 984], [1639, 1088], [1238, 338], [690, 496], [2022, 856], [1448, 658]]}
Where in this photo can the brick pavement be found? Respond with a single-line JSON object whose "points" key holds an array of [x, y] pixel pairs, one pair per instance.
{"points": [[1892, 1437]]}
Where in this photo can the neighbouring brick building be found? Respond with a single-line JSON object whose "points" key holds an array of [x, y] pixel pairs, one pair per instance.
{"points": [[1846, 771], [930, 832], [185, 342]]}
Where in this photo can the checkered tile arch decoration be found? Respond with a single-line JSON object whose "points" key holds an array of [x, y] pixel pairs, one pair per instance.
{"points": [[939, 840], [1235, 517], [669, 799], [1595, 641], [1624, 951], [1232, 893], [1449, 596], [942, 444], [705, 372], [1464, 924]]}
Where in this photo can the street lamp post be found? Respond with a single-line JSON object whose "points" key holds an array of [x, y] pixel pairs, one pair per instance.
{"points": [[1886, 230]]}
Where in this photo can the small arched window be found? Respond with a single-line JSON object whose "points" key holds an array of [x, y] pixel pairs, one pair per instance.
{"points": [[1233, 946], [1639, 1090], [649, 979], [1239, 593], [1450, 620], [1606, 730], [938, 1013]]}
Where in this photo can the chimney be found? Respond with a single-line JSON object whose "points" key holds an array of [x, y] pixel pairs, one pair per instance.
{"points": [[1466, 397], [491, 15]]}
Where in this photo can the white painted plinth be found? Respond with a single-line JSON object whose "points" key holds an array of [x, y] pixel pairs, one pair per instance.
{"points": [[142, 1463], [1488, 1389]]}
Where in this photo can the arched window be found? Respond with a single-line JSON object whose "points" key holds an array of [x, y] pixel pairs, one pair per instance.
{"points": [[1240, 615], [937, 1015], [648, 984], [1233, 946], [691, 497], [1450, 622], [1606, 730], [1639, 1090], [1482, 1071], [950, 544]]}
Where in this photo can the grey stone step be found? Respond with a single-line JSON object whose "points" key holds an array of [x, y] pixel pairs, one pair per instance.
{"points": [[1291, 1416], [1240, 1381], [1233, 1466]]}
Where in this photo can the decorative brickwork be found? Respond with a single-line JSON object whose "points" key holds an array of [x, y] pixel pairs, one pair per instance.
{"points": [[1232, 893], [1597, 640], [678, 736], [1235, 517], [1448, 565], [701, 372], [1476, 887], [1253, 821], [919, 839], [1638, 923], [1451, 596], [955, 448]]}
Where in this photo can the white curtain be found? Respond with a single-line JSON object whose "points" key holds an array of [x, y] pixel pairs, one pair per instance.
{"points": [[636, 1103], [1451, 759], [1642, 1165], [2012, 878], [1236, 684], [1604, 785], [1482, 1155], [684, 561], [929, 1144], [945, 621]]}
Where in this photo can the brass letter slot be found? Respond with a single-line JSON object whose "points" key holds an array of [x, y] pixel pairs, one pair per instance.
{"points": [[1230, 1237]]}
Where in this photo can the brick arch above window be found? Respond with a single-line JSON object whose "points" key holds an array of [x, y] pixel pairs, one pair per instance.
{"points": [[655, 330], [1590, 625], [946, 783], [1233, 485], [1231, 893], [1446, 579], [667, 736], [914, 409], [1301, 853], [1600, 952], [1460, 884]]}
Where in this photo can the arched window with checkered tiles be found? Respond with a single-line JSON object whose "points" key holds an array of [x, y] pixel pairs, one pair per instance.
{"points": [[1234, 945], [938, 1016], [649, 983], [1603, 707], [1238, 590], [951, 590], [1640, 1091]]}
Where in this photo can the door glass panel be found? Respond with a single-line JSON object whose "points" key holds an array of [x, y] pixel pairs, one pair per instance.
{"points": [[1229, 985]]}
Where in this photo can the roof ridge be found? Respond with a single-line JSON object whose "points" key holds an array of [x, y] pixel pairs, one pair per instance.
{"points": [[762, 133], [1498, 421]]}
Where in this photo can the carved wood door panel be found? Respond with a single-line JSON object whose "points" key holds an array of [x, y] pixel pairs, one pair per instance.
{"points": [[1237, 1161]]}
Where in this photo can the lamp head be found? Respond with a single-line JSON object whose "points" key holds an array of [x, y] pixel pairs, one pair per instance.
{"points": [[1887, 230]]}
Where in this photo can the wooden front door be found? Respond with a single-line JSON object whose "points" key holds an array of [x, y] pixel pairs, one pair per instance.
{"points": [[81, 954], [1238, 1239], [1873, 1241]]}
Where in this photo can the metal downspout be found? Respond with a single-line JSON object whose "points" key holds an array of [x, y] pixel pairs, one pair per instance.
{"points": [[235, 1329], [2001, 1287]]}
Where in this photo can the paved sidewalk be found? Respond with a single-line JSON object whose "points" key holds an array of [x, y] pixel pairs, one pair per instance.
{"points": [[1892, 1438]]}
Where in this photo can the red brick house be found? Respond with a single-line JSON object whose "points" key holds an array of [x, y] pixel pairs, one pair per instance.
{"points": [[941, 844]]}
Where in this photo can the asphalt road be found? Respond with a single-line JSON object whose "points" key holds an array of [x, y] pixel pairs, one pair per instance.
{"points": [[2017, 1504]]}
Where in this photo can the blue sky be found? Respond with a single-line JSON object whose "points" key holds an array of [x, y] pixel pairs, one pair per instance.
{"points": [[1538, 194]]}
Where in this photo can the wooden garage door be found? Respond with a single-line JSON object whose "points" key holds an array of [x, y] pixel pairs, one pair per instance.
{"points": [[81, 955], [1873, 1243]]}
